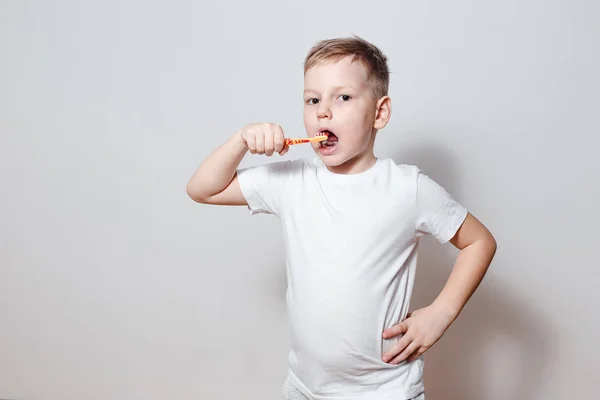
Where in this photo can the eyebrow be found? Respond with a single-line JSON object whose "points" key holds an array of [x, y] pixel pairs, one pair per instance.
{"points": [[335, 88]]}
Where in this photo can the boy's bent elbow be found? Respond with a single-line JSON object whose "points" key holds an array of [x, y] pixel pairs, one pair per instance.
{"points": [[195, 194], [493, 245], [230, 196], [490, 246]]}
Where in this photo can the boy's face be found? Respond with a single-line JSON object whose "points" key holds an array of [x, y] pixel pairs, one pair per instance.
{"points": [[338, 99]]}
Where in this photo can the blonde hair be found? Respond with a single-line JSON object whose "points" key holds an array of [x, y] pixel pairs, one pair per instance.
{"points": [[371, 57]]}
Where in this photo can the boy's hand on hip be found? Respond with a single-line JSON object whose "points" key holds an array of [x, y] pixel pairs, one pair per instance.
{"points": [[421, 330], [264, 138]]}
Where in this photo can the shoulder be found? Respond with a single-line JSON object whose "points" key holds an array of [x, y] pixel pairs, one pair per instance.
{"points": [[408, 178], [285, 170], [403, 173], [410, 172], [290, 168], [284, 165]]}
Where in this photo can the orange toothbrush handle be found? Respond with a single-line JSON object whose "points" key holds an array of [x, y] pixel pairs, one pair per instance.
{"points": [[292, 141]]}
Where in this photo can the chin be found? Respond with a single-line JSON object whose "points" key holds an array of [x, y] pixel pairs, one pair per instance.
{"points": [[333, 160]]}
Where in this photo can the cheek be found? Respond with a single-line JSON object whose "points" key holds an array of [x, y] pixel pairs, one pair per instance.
{"points": [[358, 118], [308, 117]]}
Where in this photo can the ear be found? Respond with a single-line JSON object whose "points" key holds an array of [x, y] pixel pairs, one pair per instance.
{"points": [[383, 112]]}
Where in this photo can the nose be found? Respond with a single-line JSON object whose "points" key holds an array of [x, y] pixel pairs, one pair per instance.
{"points": [[323, 111]]}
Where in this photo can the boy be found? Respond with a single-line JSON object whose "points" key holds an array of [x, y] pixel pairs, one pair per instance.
{"points": [[351, 223]]}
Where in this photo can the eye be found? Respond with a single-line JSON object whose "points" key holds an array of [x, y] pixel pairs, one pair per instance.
{"points": [[312, 101], [345, 97]]}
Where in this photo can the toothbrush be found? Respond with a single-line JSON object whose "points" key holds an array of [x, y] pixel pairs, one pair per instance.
{"points": [[318, 138]]}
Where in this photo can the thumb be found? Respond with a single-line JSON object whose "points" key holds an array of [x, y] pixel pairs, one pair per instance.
{"points": [[284, 150]]}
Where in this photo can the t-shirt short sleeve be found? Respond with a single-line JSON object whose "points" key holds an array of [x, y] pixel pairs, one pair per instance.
{"points": [[437, 212], [263, 186]]}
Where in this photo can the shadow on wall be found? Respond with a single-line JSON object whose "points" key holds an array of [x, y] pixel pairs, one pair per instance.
{"points": [[497, 341]]}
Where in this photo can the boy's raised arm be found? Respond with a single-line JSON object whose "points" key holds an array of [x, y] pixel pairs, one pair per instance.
{"points": [[215, 180]]}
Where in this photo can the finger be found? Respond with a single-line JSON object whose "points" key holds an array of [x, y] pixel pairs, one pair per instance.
{"points": [[251, 142], [260, 142], [278, 141], [416, 354], [410, 349], [396, 349], [395, 330], [269, 143]]}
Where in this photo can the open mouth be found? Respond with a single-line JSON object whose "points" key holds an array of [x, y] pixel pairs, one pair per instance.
{"points": [[332, 139]]}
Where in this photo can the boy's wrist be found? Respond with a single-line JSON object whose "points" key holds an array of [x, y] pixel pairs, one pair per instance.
{"points": [[238, 140], [446, 308]]}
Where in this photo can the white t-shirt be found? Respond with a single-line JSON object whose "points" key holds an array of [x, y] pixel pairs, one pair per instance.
{"points": [[351, 251]]}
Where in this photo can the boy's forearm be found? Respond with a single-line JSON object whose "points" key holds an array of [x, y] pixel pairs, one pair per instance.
{"points": [[468, 272], [218, 169]]}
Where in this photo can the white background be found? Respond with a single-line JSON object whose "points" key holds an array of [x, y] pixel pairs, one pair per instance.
{"points": [[115, 285]]}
